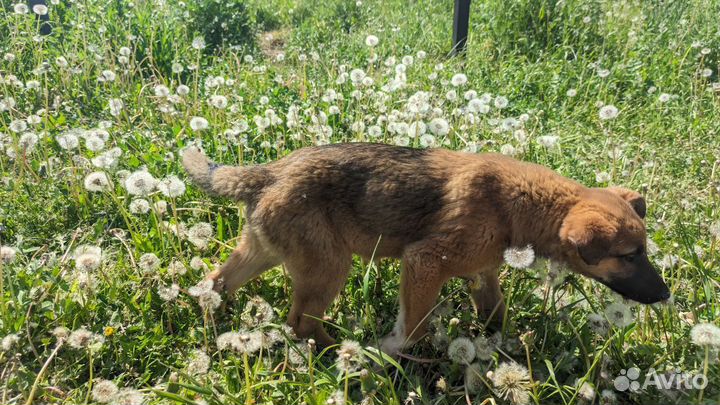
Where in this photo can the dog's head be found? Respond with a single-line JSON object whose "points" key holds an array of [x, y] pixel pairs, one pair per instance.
{"points": [[605, 239]]}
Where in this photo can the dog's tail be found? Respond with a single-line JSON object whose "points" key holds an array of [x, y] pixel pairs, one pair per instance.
{"points": [[237, 183]]}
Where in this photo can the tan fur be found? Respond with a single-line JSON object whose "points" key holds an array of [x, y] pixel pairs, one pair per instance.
{"points": [[445, 214]]}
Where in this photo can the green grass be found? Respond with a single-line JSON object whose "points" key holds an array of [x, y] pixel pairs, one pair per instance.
{"points": [[530, 51]]}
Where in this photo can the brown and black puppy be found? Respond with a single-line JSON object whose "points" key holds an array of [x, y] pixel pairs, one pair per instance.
{"points": [[445, 214]]}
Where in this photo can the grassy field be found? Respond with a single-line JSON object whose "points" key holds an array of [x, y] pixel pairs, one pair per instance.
{"points": [[103, 245]]}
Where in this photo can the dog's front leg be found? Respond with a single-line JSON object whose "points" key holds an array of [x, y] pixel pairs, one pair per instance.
{"points": [[487, 297], [421, 280]]}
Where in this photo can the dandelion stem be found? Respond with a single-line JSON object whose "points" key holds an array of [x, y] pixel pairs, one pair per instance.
{"points": [[90, 379], [248, 385], [41, 373], [705, 372]]}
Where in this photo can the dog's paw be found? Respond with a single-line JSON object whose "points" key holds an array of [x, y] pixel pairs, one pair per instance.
{"points": [[392, 344]]}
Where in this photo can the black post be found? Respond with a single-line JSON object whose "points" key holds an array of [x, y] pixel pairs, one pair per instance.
{"points": [[461, 21]]}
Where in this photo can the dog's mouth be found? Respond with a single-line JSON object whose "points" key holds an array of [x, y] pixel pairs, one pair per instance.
{"points": [[644, 286]]}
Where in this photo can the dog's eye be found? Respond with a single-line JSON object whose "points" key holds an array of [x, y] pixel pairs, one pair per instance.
{"points": [[629, 258]]}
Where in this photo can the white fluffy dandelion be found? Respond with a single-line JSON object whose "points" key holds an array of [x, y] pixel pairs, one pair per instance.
{"points": [[199, 363], [598, 324], [371, 41], [474, 378], [512, 381], [149, 262], [9, 341], [705, 334], [439, 126], [97, 181], [608, 112], [619, 314], [139, 206], [87, 258], [197, 264], [140, 183], [519, 258], [171, 187], [168, 294], [128, 396], [548, 141], [68, 141], [82, 338], [218, 101], [7, 254], [20, 8], [198, 43], [104, 391], [350, 356], [484, 349], [501, 102], [200, 234], [116, 106], [257, 312], [199, 123], [176, 268], [459, 79], [461, 350]]}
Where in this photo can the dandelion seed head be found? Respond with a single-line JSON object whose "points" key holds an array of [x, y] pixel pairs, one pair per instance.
{"points": [[97, 181], [176, 268], [350, 356], [198, 43], [501, 102], [618, 314], [484, 349], [461, 350], [705, 335], [87, 258], [7, 254], [198, 264], [149, 262], [9, 341], [139, 206], [598, 324], [257, 312], [82, 338], [199, 363], [608, 112], [104, 391], [116, 106], [200, 234], [512, 381], [519, 258], [371, 41], [459, 79], [171, 187], [218, 101], [474, 378], [548, 141], [199, 124], [128, 396], [439, 126], [140, 183]]}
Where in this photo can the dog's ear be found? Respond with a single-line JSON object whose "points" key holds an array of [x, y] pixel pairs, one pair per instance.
{"points": [[590, 233], [637, 202]]}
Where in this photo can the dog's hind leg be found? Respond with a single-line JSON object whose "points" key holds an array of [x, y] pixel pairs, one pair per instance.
{"points": [[316, 281], [487, 297], [247, 261]]}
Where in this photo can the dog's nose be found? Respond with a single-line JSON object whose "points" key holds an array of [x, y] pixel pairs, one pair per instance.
{"points": [[665, 295]]}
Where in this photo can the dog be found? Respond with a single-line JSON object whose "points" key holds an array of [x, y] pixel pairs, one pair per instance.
{"points": [[444, 213]]}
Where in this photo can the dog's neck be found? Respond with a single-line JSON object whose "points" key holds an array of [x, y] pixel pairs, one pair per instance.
{"points": [[538, 208]]}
